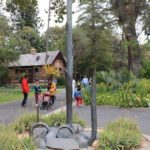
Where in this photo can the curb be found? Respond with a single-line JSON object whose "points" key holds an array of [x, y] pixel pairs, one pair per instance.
{"points": [[61, 109]]}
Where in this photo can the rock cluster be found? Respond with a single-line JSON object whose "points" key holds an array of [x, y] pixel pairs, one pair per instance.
{"points": [[59, 137]]}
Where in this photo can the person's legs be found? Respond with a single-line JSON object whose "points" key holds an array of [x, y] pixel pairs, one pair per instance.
{"points": [[24, 99], [36, 99], [77, 101], [53, 99], [81, 101]]}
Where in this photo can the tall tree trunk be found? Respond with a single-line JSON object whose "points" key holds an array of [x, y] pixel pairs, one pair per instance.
{"points": [[134, 52], [69, 69], [93, 108], [93, 90]]}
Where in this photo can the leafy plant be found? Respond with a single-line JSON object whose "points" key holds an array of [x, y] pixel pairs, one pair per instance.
{"points": [[134, 93], [49, 72], [145, 71], [120, 134]]}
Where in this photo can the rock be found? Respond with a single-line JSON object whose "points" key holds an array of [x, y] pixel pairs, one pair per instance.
{"points": [[51, 134], [61, 143], [86, 134], [65, 132], [39, 130], [83, 142], [40, 143], [76, 128]]}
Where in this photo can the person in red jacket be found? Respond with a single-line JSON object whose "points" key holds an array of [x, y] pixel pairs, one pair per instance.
{"points": [[25, 90]]}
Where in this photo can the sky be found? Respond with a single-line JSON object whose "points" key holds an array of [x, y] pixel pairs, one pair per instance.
{"points": [[43, 5]]}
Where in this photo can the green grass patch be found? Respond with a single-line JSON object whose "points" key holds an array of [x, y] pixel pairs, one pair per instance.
{"points": [[7, 95], [24, 123], [10, 141], [122, 134], [13, 94]]}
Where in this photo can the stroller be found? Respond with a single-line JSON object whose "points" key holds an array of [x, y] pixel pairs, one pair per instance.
{"points": [[45, 101]]}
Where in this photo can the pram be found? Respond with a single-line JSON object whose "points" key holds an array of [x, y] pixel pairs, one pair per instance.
{"points": [[45, 101]]}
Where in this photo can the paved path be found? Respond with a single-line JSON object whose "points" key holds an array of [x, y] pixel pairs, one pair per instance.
{"points": [[106, 114], [11, 111]]}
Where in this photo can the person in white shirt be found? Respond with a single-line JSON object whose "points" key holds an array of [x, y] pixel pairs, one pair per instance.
{"points": [[85, 81], [73, 87]]}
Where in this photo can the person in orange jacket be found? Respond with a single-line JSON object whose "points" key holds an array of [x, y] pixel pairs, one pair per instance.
{"points": [[52, 89], [25, 90]]}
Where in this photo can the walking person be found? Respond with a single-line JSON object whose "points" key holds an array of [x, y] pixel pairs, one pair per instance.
{"points": [[37, 91], [25, 90], [78, 96]]}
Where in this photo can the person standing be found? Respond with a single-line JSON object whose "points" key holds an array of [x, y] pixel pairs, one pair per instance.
{"points": [[25, 90], [37, 91], [73, 87], [52, 89], [78, 96], [85, 81]]}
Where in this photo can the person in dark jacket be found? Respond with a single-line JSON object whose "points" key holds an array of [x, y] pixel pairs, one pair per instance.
{"points": [[25, 90]]}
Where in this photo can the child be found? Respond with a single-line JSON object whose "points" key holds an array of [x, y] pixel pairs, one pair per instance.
{"points": [[52, 89], [37, 91], [78, 96]]}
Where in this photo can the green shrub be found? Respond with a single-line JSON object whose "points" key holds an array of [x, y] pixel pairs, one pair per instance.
{"points": [[61, 119], [86, 95], [134, 93], [24, 123], [122, 134], [10, 141], [61, 82], [145, 71]]}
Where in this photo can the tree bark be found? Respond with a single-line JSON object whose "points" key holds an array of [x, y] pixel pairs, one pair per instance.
{"points": [[127, 13], [93, 109], [134, 52], [69, 68]]}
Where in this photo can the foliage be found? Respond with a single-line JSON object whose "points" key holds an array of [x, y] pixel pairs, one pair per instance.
{"points": [[61, 82], [120, 134], [23, 13], [7, 54], [25, 122], [57, 38], [113, 77], [28, 38], [128, 94], [83, 38], [127, 13], [145, 70], [9, 140], [49, 72]]}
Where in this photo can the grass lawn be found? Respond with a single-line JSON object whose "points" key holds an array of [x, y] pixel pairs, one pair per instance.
{"points": [[8, 95]]}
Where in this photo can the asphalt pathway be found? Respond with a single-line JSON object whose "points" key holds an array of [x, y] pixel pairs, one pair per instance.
{"points": [[106, 114], [11, 111]]}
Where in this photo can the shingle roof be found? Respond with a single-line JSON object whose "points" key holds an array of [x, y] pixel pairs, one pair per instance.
{"points": [[36, 59]]}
